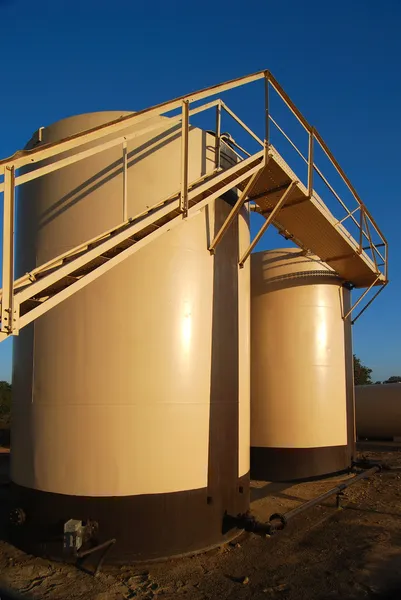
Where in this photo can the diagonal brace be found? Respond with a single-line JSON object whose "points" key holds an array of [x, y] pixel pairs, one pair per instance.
{"points": [[362, 297], [234, 211], [269, 219], [369, 303]]}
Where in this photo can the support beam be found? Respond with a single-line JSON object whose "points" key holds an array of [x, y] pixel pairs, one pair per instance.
{"points": [[234, 211], [8, 252], [266, 213], [268, 193], [268, 221]]}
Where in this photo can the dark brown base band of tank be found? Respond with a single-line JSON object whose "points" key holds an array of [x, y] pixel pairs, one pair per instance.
{"points": [[146, 527], [288, 464]]}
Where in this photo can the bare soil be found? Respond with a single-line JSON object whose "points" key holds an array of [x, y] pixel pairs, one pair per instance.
{"points": [[324, 553]]}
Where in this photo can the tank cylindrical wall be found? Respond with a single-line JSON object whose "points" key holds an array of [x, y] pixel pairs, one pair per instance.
{"points": [[378, 411], [301, 370], [132, 397]]}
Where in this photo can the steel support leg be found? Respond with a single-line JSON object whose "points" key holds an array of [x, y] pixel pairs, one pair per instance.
{"points": [[8, 252]]}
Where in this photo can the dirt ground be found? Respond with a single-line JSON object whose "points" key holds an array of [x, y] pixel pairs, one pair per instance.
{"points": [[324, 553]]}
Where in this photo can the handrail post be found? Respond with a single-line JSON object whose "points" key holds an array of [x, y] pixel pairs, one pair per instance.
{"points": [[125, 181], [361, 229], [372, 246], [184, 157], [310, 161], [218, 136], [8, 251], [267, 119], [386, 265]]}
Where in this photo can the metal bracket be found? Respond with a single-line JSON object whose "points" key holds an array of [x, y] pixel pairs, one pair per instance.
{"points": [[339, 497]]}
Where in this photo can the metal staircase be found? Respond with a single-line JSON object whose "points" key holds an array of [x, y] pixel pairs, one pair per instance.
{"points": [[263, 178]]}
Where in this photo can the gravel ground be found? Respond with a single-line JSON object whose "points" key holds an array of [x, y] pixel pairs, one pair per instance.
{"points": [[324, 553]]}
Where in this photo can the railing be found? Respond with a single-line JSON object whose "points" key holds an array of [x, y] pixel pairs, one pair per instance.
{"points": [[366, 221], [77, 143]]}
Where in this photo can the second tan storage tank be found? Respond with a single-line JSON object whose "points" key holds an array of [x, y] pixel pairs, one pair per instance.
{"points": [[378, 411], [302, 422]]}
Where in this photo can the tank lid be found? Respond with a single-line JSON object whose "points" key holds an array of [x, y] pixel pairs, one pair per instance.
{"points": [[284, 264]]}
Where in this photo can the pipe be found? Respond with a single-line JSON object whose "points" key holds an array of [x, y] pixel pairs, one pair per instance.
{"points": [[251, 524], [279, 520], [82, 554]]}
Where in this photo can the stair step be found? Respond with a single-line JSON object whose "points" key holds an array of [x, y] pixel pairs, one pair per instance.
{"points": [[117, 250], [150, 228], [90, 266], [126, 243], [28, 305], [56, 287]]}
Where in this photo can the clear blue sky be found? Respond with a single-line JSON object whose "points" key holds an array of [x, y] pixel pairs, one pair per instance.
{"points": [[339, 61]]}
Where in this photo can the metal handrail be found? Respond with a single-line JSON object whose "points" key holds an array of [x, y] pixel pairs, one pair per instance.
{"points": [[284, 96], [314, 135], [120, 131], [367, 218], [287, 137], [20, 159]]}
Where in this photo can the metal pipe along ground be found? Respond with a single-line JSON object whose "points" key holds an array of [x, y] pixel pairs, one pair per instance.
{"points": [[278, 521]]}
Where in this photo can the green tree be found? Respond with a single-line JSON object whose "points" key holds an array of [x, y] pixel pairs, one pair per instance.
{"points": [[362, 374], [393, 379], [5, 402]]}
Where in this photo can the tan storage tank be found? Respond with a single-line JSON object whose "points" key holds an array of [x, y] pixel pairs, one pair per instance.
{"points": [[302, 422], [378, 411], [131, 398]]}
